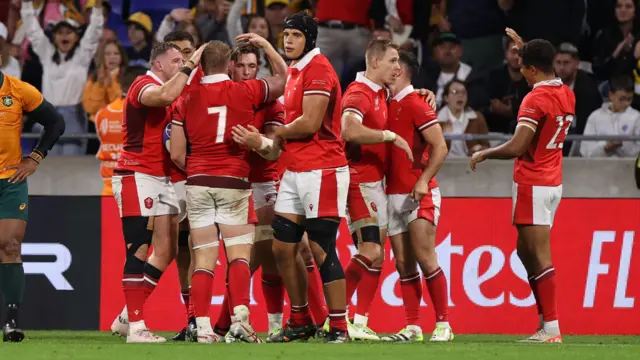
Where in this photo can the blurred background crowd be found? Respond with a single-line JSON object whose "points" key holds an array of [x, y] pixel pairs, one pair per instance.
{"points": [[76, 56]]}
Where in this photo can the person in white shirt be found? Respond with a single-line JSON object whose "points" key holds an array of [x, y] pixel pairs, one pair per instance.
{"points": [[9, 65], [456, 117], [65, 62], [615, 117]]}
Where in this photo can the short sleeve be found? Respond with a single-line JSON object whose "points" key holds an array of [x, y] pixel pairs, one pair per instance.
{"points": [[423, 114], [357, 103], [135, 92], [178, 115], [319, 79], [274, 114], [258, 91], [530, 113], [31, 97]]}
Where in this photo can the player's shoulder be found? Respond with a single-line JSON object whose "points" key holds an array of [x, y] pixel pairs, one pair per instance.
{"points": [[358, 90], [321, 64], [19, 87]]}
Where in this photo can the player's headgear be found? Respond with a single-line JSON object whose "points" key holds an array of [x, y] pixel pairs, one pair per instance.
{"points": [[307, 25]]}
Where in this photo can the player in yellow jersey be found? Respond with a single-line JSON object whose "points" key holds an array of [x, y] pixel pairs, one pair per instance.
{"points": [[18, 98]]}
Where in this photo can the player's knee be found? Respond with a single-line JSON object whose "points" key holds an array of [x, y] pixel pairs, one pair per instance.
{"points": [[133, 265], [371, 244], [405, 267], [331, 269], [10, 247], [287, 231]]}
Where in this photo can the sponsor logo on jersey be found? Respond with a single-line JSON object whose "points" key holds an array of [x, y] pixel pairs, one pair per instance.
{"points": [[23, 206]]}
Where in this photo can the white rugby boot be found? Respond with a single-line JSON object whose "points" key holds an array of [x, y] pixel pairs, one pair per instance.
{"points": [[241, 329]]}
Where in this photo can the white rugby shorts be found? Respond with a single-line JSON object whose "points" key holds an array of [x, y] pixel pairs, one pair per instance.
{"points": [[534, 205], [139, 194], [403, 210]]}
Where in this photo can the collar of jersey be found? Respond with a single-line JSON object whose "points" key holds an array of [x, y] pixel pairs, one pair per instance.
{"points": [[306, 59], [155, 77], [212, 79], [404, 92], [363, 79], [554, 82]]}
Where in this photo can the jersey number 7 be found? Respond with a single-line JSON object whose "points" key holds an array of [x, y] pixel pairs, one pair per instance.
{"points": [[557, 141], [222, 121]]}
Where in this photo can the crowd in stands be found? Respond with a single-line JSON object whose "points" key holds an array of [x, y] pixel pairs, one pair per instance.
{"points": [[76, 57]]}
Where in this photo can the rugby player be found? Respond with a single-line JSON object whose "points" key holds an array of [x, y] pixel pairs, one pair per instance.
{"points": [[146, 198], [364, 128], [414, 204], [18, 99], [544, 119], [218, 191]]}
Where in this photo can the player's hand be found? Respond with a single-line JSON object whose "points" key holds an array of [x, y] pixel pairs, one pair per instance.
{"points": [[195, 58], [395, 24], [477, 157], [519, 43], [24, 169], [249, 137], [430, 97], [420, 189], [253, 40], [180, 15], [402, 144]]}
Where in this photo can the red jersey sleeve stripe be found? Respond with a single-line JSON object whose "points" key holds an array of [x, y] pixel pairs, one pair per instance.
{"points": [[354, 111], [176, 122], [523, 118], [141, 91], [428, 124], [266, 90], [317, 92], [527, 124]]}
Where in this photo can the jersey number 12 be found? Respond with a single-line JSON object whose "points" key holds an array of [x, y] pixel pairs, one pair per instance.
{"points": [[222, 121], [557, 142]]}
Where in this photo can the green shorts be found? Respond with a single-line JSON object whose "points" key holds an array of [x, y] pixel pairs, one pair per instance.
{"points": [[14, 200]]}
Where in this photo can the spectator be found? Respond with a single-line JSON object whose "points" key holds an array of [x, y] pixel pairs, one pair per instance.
{"points": [[8, 64], [458, 118], [103, 85], [65, 63], [615, 44], [88, 8], [255, 24], [552, 20], [175, 17], [213, 26], [276, 11], [343, 31], [190, 28], [405, 19], [616, 117], [479, 24], [588, 97], [505, 83], [139, 34], [447, 54], [350, 75]]}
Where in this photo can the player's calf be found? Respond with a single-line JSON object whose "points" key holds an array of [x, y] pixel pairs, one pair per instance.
{"points": [[11, 276]]}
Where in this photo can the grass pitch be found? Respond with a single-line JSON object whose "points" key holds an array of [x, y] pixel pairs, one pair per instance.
{"points": [[51, 345]]}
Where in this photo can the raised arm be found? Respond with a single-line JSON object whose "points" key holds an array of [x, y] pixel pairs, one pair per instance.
{"points": [[36, 36], [234, 21], [91, 38], [277, 81]]}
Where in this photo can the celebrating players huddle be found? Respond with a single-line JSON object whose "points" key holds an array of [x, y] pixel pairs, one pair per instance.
{"points": [[271, 166]]}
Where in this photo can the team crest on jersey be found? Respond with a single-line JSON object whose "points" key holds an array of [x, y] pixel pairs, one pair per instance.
{"points": [[7, 101], [311, 207], [148, 203], [374, 207]]}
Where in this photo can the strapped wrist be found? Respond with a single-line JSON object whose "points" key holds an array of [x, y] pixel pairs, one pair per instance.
{"points": [[388, 136]]}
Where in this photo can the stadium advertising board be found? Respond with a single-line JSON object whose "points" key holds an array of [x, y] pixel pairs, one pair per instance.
{"points": [[61, 253], [596, 253]]}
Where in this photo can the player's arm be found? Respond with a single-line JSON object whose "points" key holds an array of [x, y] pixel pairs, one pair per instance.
{"points": [[432, 135], [165, 94], [268, 145], [178, 144], [277, 81], [513, 148], [314, 108]]}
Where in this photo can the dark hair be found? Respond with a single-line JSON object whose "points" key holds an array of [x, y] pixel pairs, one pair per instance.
{"points": [[179, 35], [130, 75], [507, 43], [448, 85], [160, 49], [245, 49], [409, 62], [539, 54], [621, 83], [215, 57], [100, 59], [569, 49], [183, 27], [56, 56], [270, 38]]}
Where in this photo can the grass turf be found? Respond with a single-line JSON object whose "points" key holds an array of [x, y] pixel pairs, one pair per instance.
{"points": [[51, 345]]}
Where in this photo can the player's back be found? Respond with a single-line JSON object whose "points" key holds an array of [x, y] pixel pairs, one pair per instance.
{"points": [[211, 110], [368, 101], [549, 109], [314, 75], [143, 126]]}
